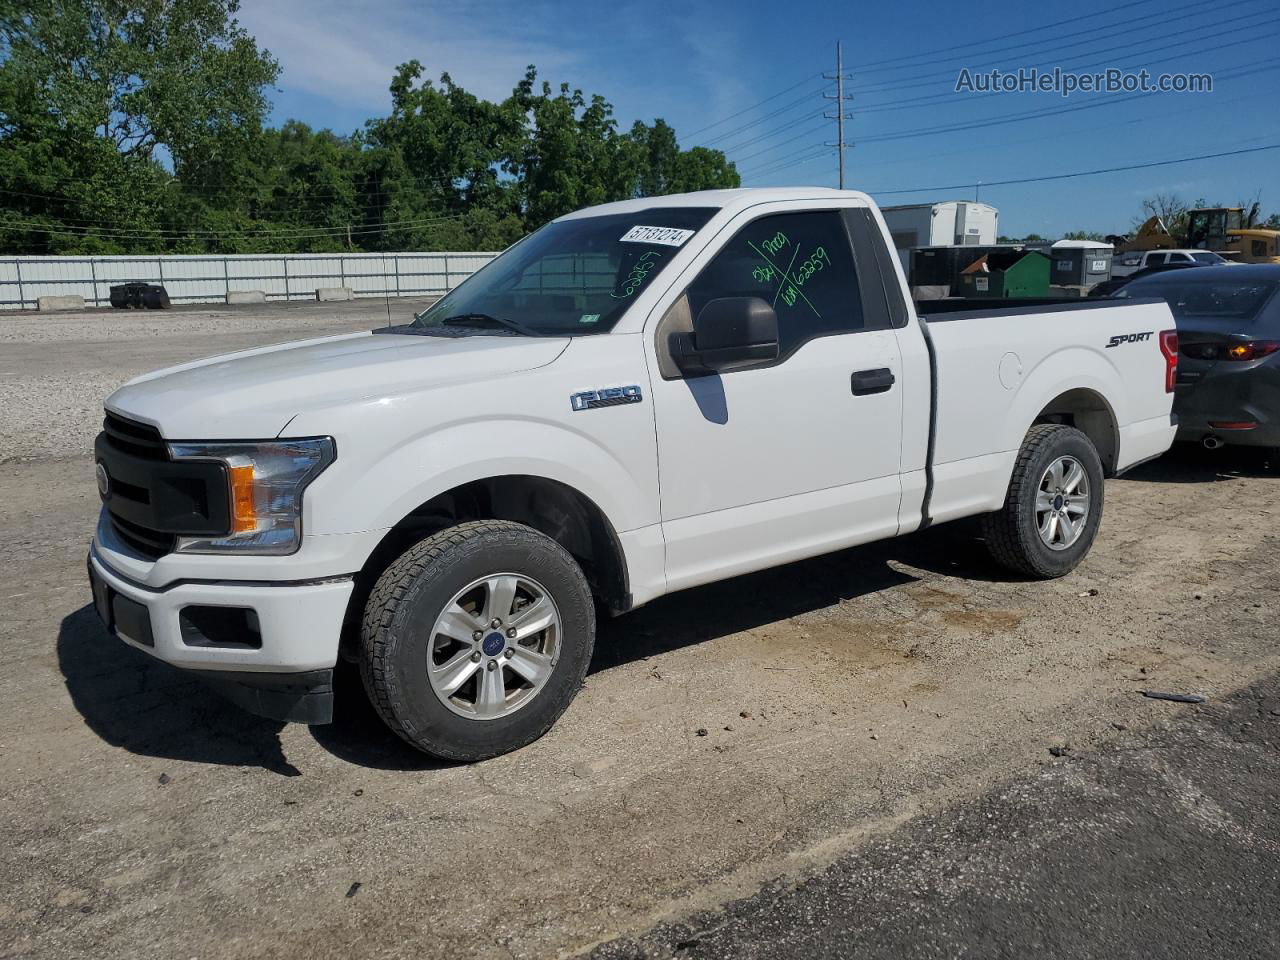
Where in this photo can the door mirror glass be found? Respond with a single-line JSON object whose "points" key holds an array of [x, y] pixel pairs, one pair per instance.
{"points": [[728, 333]]}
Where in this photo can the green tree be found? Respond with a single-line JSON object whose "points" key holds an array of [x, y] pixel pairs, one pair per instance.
{"points": [[94, 93], [138, 126]]}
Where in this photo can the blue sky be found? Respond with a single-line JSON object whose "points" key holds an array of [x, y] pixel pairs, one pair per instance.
{"points": [[717, 72]]}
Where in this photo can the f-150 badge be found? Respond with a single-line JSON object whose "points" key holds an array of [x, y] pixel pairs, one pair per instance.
{"points": [[605, 397]]}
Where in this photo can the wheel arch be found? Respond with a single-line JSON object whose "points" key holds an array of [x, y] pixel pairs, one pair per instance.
{"points": [[551, 507], [1089, 412]]}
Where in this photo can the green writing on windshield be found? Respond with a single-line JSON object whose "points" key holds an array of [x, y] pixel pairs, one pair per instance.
{"points": [[636, 276]]}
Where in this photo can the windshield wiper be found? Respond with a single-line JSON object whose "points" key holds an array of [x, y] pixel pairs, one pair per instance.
{"points": [[485, 319]]}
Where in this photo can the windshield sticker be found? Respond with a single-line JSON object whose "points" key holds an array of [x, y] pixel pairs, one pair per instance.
{"points": [[636, 278], [589, 318], [664, 236]]}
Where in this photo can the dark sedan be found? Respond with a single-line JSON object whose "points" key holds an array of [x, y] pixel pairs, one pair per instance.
{"points": [[1108, 288], [1228, 318]]}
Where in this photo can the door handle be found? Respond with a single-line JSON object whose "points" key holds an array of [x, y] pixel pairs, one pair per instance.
{"points": [[866, 382]]}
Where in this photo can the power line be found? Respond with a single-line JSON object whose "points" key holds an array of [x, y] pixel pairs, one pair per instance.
{"points": [[754, 106], [804, 155], [807, 97], [880, 107], [1003, 119], [781, 163], [1004, 36], [930, 78], [1081, 173], [925, 100], [989, 121], [811, 115]]}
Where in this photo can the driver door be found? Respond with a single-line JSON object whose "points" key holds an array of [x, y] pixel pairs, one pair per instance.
{"points": [[797, 456]]}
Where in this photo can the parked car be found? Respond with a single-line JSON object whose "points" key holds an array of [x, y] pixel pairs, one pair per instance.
{"points": [[1228, 387], [1108, 288], [1126, 264], [636, 399]]}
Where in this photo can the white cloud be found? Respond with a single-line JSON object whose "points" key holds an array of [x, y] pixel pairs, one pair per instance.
{"points": [[347, 52]]}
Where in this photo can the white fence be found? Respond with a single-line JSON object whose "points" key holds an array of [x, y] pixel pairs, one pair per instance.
{"points": [[209, 278]]}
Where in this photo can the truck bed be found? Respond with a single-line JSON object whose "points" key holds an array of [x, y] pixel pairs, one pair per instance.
{"points": [[1095, 363]]}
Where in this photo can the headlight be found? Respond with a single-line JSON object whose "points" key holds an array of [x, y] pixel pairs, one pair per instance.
{"points": [[265, 484]]}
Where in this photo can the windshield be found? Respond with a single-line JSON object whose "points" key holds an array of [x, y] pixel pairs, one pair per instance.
{"points": [[1192, 296], [571, 277], [1207, 258]]}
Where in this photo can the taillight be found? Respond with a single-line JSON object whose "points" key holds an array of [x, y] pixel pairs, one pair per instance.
{"points": [[1246, 350], [1169, 347], [1252, 350]]}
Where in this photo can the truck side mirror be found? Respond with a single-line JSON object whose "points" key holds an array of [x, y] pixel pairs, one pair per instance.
{"points": [[728, 333]]}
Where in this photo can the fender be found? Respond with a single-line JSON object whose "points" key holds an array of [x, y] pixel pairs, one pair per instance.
{"points": [[397, 452], [422, 467]]}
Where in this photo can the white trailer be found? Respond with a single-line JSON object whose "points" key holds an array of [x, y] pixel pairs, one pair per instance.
{"points": [[950, 223]]}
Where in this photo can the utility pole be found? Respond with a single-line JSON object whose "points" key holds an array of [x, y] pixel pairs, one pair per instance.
{"points": [[839, 97]]}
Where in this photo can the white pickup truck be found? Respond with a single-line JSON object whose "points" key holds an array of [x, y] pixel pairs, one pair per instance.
{"points": [[635, 399]]}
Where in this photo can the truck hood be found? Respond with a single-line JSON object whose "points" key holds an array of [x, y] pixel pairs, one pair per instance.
{"points": [[255, 393]]}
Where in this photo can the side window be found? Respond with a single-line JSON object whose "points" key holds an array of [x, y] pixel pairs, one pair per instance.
{"points": [[1155, 259], [799, 263]]}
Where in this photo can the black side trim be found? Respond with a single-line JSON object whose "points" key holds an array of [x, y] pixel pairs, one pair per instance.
{"points": [[291, 697], [925, 520]]}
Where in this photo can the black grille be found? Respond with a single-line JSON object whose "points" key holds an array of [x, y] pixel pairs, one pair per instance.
{"points": [[135, 439], [150, 543], [152, 500]]}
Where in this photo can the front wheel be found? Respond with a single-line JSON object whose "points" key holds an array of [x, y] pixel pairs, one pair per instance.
{"points": [[476, 639], [1053, 507]]}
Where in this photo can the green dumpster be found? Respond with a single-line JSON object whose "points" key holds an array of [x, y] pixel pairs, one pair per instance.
{"points": [[1019, 273]]}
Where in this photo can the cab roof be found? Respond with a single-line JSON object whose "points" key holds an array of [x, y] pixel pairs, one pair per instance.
{"points": [[723, 199]]}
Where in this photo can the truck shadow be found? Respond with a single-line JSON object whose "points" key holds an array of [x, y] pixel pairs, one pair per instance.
{"points": [[149, 708], [758, 599], [1189, 463]]}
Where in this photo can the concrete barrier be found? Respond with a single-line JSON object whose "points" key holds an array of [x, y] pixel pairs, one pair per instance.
{"points": [[334, 293], [67, 301], [246, 296]]}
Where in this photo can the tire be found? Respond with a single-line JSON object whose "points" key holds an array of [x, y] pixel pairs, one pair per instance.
{"points": [[401, 639], [1013, 533]]}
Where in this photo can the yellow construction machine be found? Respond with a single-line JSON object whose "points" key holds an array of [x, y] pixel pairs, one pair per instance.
{"points": [[1229, 231]]}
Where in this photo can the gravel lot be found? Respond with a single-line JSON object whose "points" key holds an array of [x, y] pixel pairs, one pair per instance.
{"points": [[845, 701]]}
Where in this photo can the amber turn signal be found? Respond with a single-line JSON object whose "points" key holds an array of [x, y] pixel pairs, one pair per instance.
{"points": [[244, 511]]}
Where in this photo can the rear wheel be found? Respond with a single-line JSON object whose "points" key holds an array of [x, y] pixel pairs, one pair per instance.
{"points": [[1053, 506], [476, 639]]}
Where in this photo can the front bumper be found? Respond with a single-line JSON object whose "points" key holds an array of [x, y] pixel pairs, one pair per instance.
{"points": [[283, 669]]}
